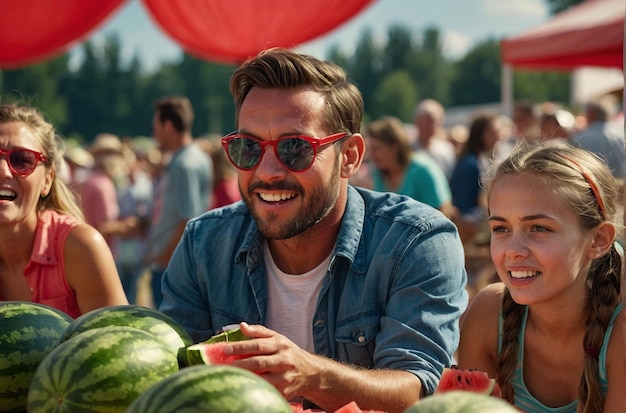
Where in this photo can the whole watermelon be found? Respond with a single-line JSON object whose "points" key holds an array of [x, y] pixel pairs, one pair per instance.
{"points": [[163, 327], [100, 370], [28, 332], [458, 401], [214, 389]]}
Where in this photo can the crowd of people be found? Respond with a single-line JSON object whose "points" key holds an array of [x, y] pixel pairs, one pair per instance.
{"points": [[345, 261]]}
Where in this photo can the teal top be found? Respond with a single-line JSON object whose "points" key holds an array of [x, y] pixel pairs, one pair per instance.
{"points": [[424, 181], [523, 399]]}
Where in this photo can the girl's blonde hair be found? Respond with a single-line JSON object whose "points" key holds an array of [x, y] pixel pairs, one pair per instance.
{"points": [[60, 198], [585, 183]]}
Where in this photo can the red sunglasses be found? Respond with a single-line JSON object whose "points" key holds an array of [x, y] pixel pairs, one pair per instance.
{"points": [[295, 152], [22, 161]]}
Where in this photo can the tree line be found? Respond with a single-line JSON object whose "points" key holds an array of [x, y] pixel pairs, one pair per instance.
{"points": [[104, 94]]}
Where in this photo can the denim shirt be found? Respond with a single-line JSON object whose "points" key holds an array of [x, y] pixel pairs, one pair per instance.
{"points": [[391, 298]]}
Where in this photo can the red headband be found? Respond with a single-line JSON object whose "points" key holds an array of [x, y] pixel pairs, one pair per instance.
{"points": [[594, 188]]}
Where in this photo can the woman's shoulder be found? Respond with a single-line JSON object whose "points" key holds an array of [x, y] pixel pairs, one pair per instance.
{"points": [[83, 236], [487, 302]]}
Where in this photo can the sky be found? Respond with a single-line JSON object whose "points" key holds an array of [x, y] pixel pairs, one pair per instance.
{"points": [[462, 24]]}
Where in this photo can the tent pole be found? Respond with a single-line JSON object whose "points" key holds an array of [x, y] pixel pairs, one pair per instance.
{"points": [[506, 90]]}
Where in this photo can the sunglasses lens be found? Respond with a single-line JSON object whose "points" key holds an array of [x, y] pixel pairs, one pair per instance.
{"points": [[245, 153], [23, 162], [297, 154]]}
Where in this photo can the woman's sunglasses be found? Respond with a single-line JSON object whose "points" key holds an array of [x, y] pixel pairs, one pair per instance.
{"points": [[296, 152], [22, 161]]}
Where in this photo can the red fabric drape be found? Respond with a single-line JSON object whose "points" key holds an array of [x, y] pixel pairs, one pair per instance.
{"points": [[231, 31], [589, 34], [217, 30], [36, 30]]}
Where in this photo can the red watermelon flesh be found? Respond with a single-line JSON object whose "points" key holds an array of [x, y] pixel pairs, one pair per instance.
{"points": [[471, 380], [204, 353]]}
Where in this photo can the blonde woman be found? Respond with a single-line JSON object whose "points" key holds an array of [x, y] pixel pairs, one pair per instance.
{"points": [[48, 254]]}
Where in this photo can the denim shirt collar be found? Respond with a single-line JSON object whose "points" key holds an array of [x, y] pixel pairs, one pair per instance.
{"points": [[347, 245]]}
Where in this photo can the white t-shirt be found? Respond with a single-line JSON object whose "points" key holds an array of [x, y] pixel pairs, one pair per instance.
{"points": [[292, 300]]}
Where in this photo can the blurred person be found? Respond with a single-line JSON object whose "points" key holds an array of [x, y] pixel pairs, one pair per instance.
{"points": [[48, 254], [458, 135], [79, 162], [98, 191], [346, 293], [135, 199], [603, 136], [225, 187], [184, 188], [432, 138], [397, 169], [526, 115], [556, 125], [485, 131]]}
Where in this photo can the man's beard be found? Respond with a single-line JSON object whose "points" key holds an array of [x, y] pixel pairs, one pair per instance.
{"points": [[319, 204]]}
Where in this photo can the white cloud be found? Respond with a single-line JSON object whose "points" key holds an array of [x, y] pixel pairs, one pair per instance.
{"points": [[455, 44], [520, 8]]}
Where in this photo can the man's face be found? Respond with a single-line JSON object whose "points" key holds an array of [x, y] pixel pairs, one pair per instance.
{"points": [[285, 203]]}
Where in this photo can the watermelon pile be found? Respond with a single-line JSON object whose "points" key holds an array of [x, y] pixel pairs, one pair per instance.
{"points": [[102, 369], [134, 359], [154, 322], [28, 333]]}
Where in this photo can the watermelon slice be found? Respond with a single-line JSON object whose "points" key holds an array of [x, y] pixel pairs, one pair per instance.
{"points": [[472, 380], [209, 354]]}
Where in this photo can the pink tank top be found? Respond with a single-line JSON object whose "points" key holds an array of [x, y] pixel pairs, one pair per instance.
{"points": [[45, 273]]}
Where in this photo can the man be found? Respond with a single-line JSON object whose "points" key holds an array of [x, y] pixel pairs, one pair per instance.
{"points": [[603, 136], [185, 188], [432, 138], [348, 294]]}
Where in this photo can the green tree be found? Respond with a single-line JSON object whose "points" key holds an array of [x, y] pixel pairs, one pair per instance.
{"points": [[38, 85], [207, 88], [396, 95], [477, 75]]}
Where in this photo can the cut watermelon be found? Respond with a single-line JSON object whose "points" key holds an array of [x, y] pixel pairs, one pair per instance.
{"points": [[351, 407], [209, 354], [474, 381]]}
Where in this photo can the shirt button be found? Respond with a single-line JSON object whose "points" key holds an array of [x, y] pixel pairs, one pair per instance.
{"points": [[361, 339]]}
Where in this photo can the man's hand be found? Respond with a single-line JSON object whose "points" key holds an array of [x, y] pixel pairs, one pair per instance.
{"points": [[277, 359]]}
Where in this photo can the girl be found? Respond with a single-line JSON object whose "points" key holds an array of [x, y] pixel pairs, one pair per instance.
{"points": [[551, 331]]}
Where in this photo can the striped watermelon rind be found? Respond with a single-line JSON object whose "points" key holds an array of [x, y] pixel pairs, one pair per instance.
{"points": [[100, 370], [163, 327], [28, 332], [227, 336], [215, 389], [459, 401]]}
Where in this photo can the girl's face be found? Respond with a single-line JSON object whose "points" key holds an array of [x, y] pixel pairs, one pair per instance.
{"points": [[538, 246], [19, 195]]}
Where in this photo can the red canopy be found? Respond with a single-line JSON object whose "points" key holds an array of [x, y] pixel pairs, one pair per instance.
{"points": [[589, 34], [232, 31], [37, 30], [217, 30]]}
